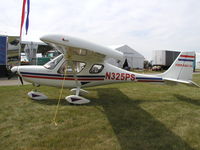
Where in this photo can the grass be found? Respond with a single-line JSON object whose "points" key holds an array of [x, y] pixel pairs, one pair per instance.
{"points": [[125, 116]]}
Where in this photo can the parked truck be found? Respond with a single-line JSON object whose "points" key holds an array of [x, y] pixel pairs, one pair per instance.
{"points": [[164, 58]]}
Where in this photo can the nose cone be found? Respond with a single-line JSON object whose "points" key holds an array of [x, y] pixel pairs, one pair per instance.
{"points": [[14, 69]]}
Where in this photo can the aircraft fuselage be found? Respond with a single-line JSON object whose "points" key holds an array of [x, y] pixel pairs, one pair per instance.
{"points": [[85, 78]]}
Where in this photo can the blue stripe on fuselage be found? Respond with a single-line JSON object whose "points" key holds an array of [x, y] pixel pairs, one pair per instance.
{"points": [[148, 78]]}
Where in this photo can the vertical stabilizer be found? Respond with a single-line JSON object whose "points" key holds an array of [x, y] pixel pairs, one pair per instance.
{"points": [[182, 68]]}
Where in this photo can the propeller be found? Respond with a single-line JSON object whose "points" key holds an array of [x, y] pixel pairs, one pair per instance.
{"points": [[11, 74], [21, 80], [14, 72]]}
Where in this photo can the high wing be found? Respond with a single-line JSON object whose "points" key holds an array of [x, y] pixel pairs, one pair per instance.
{"points": [[81, 50]]}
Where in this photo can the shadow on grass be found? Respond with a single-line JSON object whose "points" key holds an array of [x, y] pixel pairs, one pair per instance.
{"points": [[52, 102], [187, 99], [134, 127]]}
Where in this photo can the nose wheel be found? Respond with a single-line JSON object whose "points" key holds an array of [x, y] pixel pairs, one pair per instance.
{"points": [[35, 95]]}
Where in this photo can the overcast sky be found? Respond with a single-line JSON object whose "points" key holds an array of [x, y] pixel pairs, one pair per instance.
{"points": [[145, 25]]}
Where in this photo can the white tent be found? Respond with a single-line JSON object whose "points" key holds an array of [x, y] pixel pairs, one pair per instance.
{"points": [[197, 65], [135, 60]]}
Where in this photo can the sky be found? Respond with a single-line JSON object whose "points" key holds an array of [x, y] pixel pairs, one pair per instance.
{"points": [[144, 25]]}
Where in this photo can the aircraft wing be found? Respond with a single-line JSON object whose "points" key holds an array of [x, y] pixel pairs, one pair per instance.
{"points": [[81, 50]]}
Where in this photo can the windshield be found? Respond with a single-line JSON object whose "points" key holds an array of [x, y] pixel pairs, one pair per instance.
{"points": [[67, 67], [52, 64]]}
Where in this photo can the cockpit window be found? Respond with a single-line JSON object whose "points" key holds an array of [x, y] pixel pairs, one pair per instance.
{"points": [[52, 64], [69, 65], [97, 68]]}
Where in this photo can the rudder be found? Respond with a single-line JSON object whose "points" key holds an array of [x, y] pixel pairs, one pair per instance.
{"points": [[182, 68]]}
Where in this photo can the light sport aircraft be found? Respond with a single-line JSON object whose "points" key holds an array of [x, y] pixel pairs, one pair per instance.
{"points": [[82, 64]]}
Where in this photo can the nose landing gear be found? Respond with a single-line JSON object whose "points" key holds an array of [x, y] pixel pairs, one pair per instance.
{"points": [[35, 95]]}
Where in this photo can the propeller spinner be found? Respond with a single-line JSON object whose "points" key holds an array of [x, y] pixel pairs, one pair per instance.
{"points": [[14, 72]]}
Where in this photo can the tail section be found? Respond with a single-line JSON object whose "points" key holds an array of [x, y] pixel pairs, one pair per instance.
{"points": [[181, 70]]}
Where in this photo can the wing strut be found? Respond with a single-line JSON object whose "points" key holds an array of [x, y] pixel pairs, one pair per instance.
{"points": [[61, 91]]}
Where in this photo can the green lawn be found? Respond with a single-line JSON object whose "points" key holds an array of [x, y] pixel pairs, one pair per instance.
{"points": [[129, 116]]}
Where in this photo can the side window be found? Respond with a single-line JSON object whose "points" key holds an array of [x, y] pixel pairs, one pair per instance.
{"points": [[68, 67], [97, 68]]}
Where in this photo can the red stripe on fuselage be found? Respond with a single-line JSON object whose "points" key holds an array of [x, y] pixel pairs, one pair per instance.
{"points": [[187, 56], [60, 78]]}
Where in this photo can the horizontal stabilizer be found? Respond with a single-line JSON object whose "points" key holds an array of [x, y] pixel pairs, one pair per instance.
{"points": [[179, 81], [182, 81]]}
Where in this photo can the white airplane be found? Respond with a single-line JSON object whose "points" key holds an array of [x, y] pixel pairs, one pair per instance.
{"points": [[82, 64]]}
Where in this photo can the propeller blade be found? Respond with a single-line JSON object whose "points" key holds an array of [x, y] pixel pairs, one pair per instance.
{"points": [[21, 80], [12, 74]]}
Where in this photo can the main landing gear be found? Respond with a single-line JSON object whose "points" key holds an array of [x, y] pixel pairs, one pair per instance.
{"points": [[76, 99]]}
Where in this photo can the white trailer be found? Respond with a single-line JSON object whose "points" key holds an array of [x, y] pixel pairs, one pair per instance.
{"points": [[164, 58]]}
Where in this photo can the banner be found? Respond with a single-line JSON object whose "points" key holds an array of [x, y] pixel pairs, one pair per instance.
{"points": [[3, 50], [26, 5]]}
